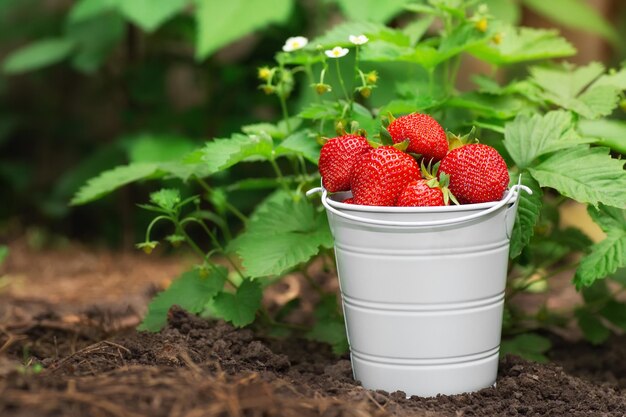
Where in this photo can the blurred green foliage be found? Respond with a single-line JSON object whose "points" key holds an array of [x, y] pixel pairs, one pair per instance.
{"points": [[91, 84]]}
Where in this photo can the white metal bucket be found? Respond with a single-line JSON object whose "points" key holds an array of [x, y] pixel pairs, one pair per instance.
{"points": [[423, 291]]}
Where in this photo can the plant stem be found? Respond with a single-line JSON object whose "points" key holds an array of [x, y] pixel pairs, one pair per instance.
{"points": [[456, 64], [153, 222], [283, 107], [270, 320], [342, 84], [279, 174], [229, 206], [309, 73], [191, 242], [215, 242]]}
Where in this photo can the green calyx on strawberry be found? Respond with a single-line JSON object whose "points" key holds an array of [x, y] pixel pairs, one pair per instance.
{"points": [[478, 173], [337, 160], [427, 191], [380, 176], [425, 135], [456, 141]]}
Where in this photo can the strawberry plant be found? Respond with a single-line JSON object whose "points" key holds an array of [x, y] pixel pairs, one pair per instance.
{"points": [[551, 126]]}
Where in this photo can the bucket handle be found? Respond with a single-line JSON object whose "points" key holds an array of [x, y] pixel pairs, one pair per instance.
{"points": [[514, 191]]}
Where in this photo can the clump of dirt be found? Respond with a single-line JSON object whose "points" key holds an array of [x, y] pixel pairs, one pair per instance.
{"points": [[208, 368]]}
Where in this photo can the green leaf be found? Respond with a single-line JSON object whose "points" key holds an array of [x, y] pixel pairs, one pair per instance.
{"points": [[110, 180], [365, 119], [596, 293], [150, 14], [95, 40], [608, 255], [611, 133], [416, 29], [191, 291], [608, 218], [572, 238], [527, 138], [222, 22], [597, 102], [146, 147], [615, 79], [88, 9], [37, 55], [530, 346], [586, 174], [324, 110], [570, 88], [615, 312], [507, 11], [527, 215], [591, 326], [190, 165], [371, 10], [276, 131], [165, 198], [220, 154], [241, 307], [331, 332], [462, 37], [282, 234], [4, 252], [524, 44], [339, 35], [488, 105], [300, 143], [566, 81], [576, 14], [619, 277], [329, 325]]}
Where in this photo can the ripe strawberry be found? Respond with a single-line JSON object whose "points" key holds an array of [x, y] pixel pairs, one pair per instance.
{"points": [[419, 194], [478, 173], [348, 201], [426, 136], [427, 191], [337, 159], [381, 174]]}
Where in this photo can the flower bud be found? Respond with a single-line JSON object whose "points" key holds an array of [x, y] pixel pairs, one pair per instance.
{"points": [[482, 24], [321, 88], [365, 91], [268, 89], [264, 73], [371, 77], [147, 247]]}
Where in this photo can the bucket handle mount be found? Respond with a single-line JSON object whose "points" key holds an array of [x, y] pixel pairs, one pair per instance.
{"points": [[513, 192]]}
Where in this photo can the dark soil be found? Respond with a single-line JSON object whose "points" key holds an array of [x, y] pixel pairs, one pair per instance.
{"points": [[94, 364]]}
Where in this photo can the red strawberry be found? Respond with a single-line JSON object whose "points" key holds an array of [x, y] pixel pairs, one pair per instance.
{"points": [[337, 159], [426, 136], [348, 201], [419, 194], [381, 174], [478, 173], [427, 191]]}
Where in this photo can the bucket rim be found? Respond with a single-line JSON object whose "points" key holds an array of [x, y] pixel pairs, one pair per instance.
{"points": [[392, 209]]}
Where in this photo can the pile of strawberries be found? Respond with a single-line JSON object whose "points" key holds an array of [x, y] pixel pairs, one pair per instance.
{"points": [[421, 169]]}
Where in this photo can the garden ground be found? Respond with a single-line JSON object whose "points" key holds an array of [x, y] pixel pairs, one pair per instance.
{"points": [[68, 348]]}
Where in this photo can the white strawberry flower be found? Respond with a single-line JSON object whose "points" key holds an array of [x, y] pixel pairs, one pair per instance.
{"points": [[295, 43], [336, 52], [358, 39]]}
